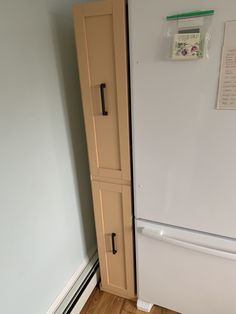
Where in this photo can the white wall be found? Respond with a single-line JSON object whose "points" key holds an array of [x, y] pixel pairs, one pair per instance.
{"points": [[46, 220]]}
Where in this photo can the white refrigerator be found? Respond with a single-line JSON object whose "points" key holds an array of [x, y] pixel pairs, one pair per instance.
{"points": [[184, 154]]}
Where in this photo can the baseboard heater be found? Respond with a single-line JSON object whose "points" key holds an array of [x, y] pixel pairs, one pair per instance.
{"points": [[81, 290]]}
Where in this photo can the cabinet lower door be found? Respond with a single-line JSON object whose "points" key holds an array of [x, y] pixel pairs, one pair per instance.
{"points": [[113, 216]]}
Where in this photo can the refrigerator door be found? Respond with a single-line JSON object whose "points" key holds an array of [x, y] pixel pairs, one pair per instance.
{"points": [[184, 149], [185, 271]]}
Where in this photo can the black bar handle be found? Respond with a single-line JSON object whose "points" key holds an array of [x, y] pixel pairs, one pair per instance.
{"points": [[102, 87], [113, 235]]}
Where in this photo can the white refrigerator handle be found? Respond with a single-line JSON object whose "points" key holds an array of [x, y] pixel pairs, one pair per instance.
{"points": [[159, 235]]}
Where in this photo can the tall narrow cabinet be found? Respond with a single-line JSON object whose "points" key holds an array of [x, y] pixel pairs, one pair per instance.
{"points": [[100, 29]]}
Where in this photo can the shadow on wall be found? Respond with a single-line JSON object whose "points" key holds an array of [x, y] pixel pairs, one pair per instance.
{"points": [[64, 41]]}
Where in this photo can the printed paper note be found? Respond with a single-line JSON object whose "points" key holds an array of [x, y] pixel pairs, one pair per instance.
{"points": [[227, 82]]}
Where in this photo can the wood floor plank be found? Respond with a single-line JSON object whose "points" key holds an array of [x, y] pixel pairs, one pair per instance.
{"points": [[128, 307], [93, 301], [105, 303], [156, 310], [116, 306], [165, 311]]}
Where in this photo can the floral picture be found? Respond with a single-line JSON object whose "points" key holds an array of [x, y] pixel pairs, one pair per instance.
{"points": [[187, 46]]}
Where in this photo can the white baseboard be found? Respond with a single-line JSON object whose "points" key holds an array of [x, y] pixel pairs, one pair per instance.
{"points": [[73, 284], [86, 294]]}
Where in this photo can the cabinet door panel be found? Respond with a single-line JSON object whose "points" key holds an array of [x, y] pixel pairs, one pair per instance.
{"points": [[102, 54], [113, 215]]}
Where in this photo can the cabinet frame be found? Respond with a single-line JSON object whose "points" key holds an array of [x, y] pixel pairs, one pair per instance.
{"points": [[111, 179]]}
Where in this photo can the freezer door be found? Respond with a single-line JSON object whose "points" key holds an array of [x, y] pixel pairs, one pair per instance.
{"points": [[185, 271]]}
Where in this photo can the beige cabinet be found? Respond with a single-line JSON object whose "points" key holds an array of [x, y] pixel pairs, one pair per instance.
{"points": [[100, 29], [101, 41], [113, 214]]}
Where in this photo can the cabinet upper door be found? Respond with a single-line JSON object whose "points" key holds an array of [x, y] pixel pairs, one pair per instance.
{"points": [[100, 29]]}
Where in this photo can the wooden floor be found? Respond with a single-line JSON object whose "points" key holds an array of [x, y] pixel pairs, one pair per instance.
{"points": [[105, 303]]}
